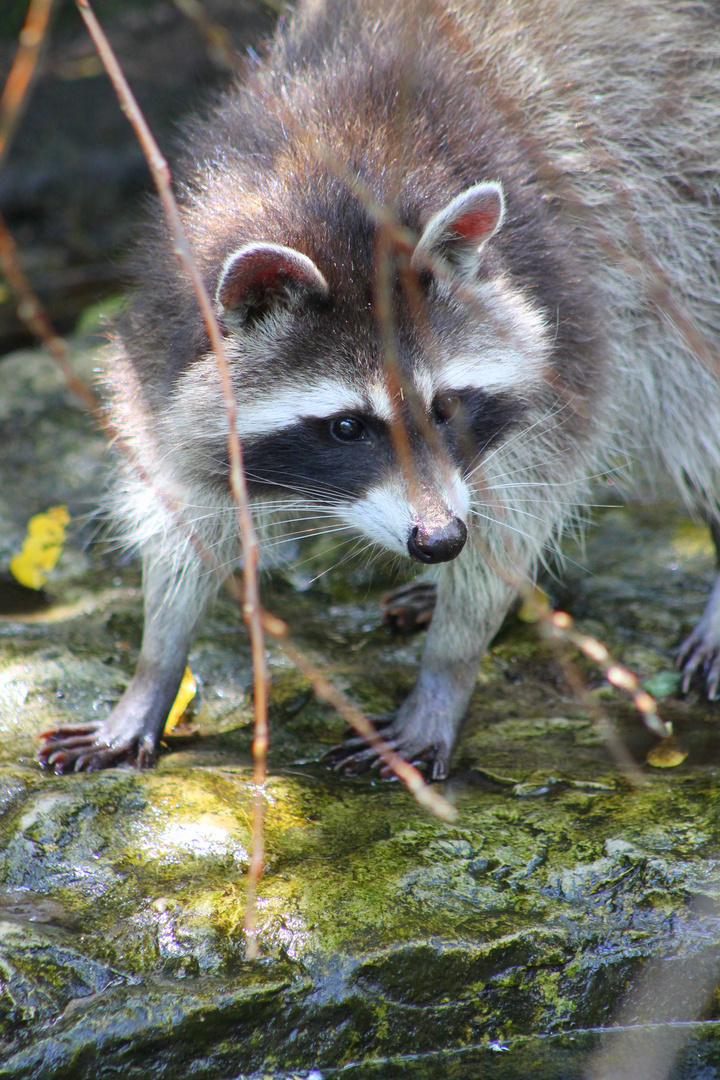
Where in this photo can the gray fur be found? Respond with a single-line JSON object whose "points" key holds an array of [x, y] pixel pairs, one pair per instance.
{"points": [[591, 312]]}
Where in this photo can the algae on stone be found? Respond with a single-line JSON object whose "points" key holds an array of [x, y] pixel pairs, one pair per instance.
{"points": [[393, 944]]}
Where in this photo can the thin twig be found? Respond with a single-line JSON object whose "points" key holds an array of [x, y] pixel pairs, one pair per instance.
{"points": [[411, 777], [384, 272], [603, 724], [238, 484], [216, 36], [254, 617], [560, 624], [32, 313], [16, 91]]}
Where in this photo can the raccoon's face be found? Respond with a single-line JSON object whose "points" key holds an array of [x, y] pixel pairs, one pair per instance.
{"points": [[389, 447]]}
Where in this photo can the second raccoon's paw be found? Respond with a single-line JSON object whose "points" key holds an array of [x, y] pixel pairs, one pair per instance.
{"points": [[699, 658], [88, 747], [355, 756]]}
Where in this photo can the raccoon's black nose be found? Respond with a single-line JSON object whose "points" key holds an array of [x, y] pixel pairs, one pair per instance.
{"points": [[440, 544]]}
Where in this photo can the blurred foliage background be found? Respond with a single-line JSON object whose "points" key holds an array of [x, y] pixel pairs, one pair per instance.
{"points": [[72, 185]]}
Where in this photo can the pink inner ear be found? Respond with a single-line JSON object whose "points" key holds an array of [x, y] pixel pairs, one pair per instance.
{"points": [[267, 268], [476, 224]]}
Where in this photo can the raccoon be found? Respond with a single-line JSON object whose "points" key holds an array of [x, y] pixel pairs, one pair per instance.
{"points": [[465, 258]]}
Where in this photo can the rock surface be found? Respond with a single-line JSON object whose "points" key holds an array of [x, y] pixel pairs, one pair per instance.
{"points": [[566, 925]]}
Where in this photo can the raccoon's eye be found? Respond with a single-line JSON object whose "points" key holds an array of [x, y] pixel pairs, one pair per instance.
{"points": [[444, 407], [348, 429]]}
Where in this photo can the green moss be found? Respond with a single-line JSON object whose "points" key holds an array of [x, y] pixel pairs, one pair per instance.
{"points": [[384, 932]]}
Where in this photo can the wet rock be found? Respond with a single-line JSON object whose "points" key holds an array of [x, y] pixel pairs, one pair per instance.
{"points": [[564, 900]]}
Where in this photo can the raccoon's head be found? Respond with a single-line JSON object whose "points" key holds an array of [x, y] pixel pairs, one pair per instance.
{"points": [[385, 435]]}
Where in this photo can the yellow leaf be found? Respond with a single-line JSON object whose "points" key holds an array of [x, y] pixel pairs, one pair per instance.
{"points": [[41, 547], [666, 754], [187, 691], [534, 606]]}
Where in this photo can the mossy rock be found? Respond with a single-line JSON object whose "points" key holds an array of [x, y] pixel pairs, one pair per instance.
{"points": [[565, 921]]}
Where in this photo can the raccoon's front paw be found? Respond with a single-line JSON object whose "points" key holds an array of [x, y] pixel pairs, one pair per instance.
{"points": [[89, 747], [130, 733], [410, 607], [355, 756], [699, 657], [699, 654]]}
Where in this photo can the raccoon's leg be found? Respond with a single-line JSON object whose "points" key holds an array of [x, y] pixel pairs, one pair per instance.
{"points": [[471, 604], [700, 652], [174, 606]]}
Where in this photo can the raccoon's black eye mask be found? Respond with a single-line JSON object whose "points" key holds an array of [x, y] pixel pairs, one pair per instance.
{"points": [[341, 456], [345, 455], [471, 421]]}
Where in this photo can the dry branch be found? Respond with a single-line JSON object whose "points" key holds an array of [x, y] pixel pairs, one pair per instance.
{"points": [[238, 485], [216, 36], [326, 691], [32, 313], [16, 91]]}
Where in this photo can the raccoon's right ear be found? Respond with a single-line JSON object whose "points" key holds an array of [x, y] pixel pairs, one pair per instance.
{"points": [[456, 233], [258, 278]]}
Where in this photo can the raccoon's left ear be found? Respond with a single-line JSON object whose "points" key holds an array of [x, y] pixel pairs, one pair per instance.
{"points": [[259, 277], [458, 231]]}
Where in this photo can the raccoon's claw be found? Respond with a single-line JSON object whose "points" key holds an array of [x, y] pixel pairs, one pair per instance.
{"points": [[81, 748], [355, 756], [410, 607], [343, 756], [430, 761], [700, 655], [700, 652], [63, 746], [130, 733]]}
